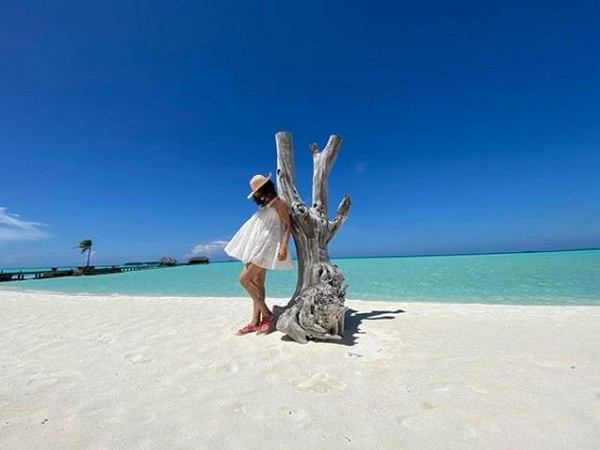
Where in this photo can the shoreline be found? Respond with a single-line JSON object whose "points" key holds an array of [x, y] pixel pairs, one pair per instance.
{"points": [[588, 303], [168, 372]]}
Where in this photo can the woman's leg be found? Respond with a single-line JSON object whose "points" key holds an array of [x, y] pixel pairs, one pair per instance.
{"points": [[248, 279], [267, 316], [259, 282]]}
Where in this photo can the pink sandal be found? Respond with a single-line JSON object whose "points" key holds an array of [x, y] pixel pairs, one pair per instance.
{"points": [[250, 328], [265, 326]]}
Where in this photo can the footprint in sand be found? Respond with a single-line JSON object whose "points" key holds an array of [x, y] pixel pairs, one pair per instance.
{"points": [[479, 389], [411, 422], [35, 385], [182, 376], [148, 418], [224, 367], [44, 380], [438, 386], [137, 358], [90, 411], [401, 418], [321, 383], [268, 412]]}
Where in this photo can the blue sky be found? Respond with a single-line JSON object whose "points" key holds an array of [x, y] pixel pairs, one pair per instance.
{"points": [[467, 126]]}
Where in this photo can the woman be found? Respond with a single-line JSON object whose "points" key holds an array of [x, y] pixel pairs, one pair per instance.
{"points": [[262, 244]]}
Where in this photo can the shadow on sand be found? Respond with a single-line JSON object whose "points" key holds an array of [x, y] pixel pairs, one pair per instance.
{"points": [[353, 320]]}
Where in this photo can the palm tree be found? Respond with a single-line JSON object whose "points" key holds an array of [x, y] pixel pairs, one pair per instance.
{"points": [[168, 261], [86, 246]]}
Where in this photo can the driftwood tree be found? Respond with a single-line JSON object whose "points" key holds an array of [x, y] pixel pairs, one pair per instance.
{"points": [[316, 309]]}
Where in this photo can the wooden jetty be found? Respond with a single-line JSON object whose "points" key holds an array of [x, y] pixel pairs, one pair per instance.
{"points": [[55, 272], [35, 274]]}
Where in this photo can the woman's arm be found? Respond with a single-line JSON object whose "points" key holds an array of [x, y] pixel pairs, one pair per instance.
{"points": [[284, 215]]}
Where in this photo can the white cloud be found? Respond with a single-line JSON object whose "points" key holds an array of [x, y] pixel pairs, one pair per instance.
{"points": [[210, 248], [13, 228]]}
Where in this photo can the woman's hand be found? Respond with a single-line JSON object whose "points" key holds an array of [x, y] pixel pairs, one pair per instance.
{"points": [[282, 253]]}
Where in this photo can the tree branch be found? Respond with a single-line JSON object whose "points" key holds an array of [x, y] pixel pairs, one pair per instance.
{"points": [[331, 150], [286, 177], [340, 218], [322, 164]]}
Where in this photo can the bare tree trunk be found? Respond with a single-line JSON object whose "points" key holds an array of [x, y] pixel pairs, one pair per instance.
{"points": [[316, 309]]}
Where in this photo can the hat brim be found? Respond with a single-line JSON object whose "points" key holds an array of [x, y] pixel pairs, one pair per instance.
{"points": [[261, 185]]}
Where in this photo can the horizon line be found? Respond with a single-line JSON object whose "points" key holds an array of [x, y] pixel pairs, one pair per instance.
{"points": [[360, 257]]}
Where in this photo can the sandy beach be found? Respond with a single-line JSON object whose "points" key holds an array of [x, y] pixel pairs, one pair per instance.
{"points": [[93, 372]]}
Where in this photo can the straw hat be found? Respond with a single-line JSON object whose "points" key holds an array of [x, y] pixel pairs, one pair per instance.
{"points": [[256, 182]]}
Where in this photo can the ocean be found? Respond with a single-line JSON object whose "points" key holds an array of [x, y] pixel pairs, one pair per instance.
{"points": [[549, 278]]}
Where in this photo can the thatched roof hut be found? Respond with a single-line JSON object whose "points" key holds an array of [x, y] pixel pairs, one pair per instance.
{"points": [[199, 260]]}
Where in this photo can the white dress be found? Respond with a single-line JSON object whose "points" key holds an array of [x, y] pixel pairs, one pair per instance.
{"points": [[258, 240]]}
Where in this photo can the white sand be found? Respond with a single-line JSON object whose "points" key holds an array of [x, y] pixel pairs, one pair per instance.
{"points": [[92, 372]]}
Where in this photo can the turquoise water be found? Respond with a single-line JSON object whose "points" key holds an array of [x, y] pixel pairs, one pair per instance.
{"points": [[571, 277]]}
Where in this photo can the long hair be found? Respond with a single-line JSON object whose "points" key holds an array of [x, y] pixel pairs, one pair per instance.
{"points": [[267, 189]]}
